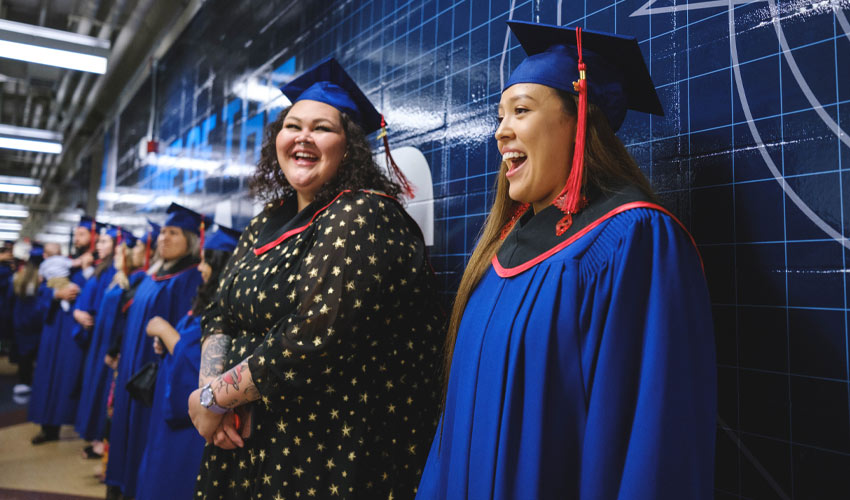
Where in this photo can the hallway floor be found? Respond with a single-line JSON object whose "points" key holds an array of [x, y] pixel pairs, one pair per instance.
{"points": [[48, 471]]}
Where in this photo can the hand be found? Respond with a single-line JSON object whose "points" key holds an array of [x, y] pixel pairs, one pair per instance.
{"points": [[68, 292], [157, 346], [156, 326], [86, 259], [112, 361], [83, 318], [205, 421], [227, 436]]}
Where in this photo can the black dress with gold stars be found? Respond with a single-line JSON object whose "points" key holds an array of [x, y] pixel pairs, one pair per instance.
{"points": [[337, 309]]}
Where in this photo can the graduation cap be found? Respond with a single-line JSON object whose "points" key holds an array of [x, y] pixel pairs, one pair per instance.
{"points": [[149, 239], [223, 239], [36, 252], [151, 235], [617, 77], [185, 218], [605, 69], [328, 82], [93, 226]]}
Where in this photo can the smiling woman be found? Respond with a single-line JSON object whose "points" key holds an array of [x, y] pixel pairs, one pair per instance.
{"points": [[320, 351], [580, 350]]}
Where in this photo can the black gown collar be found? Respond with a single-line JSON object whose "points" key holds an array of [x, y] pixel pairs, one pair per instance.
{"points": [[185, 262], [282, 219], [534, 238]]}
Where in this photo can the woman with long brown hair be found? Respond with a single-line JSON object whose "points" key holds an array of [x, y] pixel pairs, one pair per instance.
{"points": [[580, 350]]}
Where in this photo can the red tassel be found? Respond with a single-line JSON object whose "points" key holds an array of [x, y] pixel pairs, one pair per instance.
{"points": [[201, 244], [148, 251], [520, 210], [93, 236], [570, 200], [394, 170]]}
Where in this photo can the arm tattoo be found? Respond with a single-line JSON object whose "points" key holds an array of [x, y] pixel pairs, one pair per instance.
{"points": [[212, 357], [238, 379]]}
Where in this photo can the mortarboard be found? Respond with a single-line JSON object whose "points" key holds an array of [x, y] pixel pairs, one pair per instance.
{"points": [[224, 239], [184, 218], [93, 226], [36, 252], [328, 82], [605, 69], [149, 239], [152, 234], [617, 77]]}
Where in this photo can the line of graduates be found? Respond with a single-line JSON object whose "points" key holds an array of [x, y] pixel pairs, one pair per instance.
{"points": [[118, 308]]}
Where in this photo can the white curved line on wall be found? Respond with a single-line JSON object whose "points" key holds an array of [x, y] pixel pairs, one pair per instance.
{"points": [[789, 191], [804, 86], [505, 47], [415, 167]]}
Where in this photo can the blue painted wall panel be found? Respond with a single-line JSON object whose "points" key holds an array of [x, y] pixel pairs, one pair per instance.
{"points": [[752, 155]]}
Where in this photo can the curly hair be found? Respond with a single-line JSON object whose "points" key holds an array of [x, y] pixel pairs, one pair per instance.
{"points": [[358, 169]]}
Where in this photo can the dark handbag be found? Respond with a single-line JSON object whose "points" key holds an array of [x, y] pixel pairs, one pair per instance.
{"points": [[142, 384]]}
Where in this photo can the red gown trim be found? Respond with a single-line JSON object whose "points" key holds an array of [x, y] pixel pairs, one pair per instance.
{"points": [[509, 272], [169, 276], [292, 232]]}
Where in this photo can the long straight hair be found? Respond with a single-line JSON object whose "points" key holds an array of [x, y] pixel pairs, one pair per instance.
{"points": [[608, 165]]}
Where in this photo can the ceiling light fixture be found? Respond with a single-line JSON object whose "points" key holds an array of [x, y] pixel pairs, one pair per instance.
{"points": [[26, 42], [19, 185], [30, 139]]}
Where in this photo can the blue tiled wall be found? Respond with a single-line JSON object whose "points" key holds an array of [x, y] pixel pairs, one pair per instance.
{"points": [[760, 183]]}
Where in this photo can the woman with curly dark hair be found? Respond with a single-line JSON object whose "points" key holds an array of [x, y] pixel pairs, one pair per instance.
{"points": [[321, 346]]}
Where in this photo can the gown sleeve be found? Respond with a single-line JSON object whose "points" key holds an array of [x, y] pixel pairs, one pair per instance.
{"points": [[364, 249], [84, 302], [182, 377], [648, 363]]}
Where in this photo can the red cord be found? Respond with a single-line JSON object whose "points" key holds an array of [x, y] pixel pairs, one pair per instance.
{"points": [[393, 168]]}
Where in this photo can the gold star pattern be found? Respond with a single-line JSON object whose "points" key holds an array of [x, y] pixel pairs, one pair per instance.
{"points": [[343, 331]]}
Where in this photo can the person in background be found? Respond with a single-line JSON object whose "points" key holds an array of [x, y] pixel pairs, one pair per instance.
{"points": [[132, 265], [55, 392], [56, 270], [167, 291], [580, 353], [27, 299], [172, 457], [7, 269], [323, 337], [94, 332]]}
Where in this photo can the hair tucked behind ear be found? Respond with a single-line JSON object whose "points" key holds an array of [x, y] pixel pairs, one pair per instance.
{"points": [[608, 166]]}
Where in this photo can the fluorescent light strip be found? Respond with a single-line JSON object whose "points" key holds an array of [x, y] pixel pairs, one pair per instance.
{"points": [[12, 212], [10, 226], [29, 133], [53, 57], [8, 236], [28, 145], [53, 34], [19, 189]]}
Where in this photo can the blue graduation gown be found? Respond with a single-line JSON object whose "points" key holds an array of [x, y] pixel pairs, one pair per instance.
{"points": [[89, 301], [57, 367], [173, 454], [168, 296], [6, 301], [585, 373], [27, 315], [91, 413]]}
